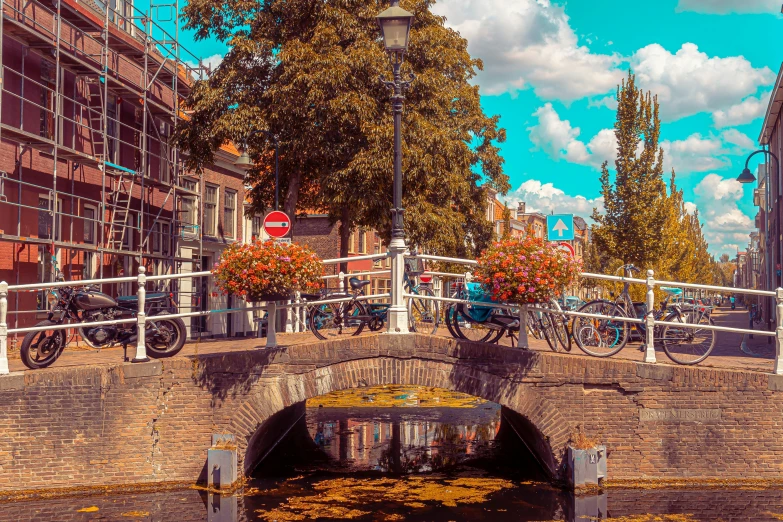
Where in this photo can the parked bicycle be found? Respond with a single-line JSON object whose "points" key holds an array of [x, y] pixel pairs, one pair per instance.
{"points": [[604, 337], [351, 317]]}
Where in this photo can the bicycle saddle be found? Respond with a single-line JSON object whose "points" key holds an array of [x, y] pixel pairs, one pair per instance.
{"points": [[356, 284]]}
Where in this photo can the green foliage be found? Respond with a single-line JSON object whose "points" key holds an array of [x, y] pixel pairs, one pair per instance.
{"points": [[645, 223], [309, 73]]}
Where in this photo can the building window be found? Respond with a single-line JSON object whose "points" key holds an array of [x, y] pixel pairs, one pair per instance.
{"points": [[88, 271], [47, 99], [229, 213], [127, 234], [377, 263], [111, 128], [255, 228], [156, 237], [362, 242], [48, 227], [210, 210], [165, 238], [352, 243], [90, 224], [382, 286]]}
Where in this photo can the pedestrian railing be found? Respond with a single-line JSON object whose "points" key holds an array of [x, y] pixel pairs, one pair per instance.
{"points": [[399, 326], [649, 320], [141, 318]]}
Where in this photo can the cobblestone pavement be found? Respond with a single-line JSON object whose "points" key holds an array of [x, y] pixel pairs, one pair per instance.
{"points": [[729, 352]]}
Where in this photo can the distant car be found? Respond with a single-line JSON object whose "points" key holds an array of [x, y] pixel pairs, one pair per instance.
{"points": [[690, 303]]}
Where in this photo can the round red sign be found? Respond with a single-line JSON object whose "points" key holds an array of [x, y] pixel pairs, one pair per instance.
{"points": [[277, 224], [568, 248], [425, 278]]}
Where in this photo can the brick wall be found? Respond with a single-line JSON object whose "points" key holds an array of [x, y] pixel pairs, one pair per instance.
{"points": [[153, 422]]}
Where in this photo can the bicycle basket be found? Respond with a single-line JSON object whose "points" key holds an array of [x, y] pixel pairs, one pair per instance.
{"points": [[414, 266]]}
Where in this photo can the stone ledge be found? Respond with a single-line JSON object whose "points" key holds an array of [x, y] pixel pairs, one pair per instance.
{"points": [[12, 381], [775, 383], [137, 370], [654, 372]]}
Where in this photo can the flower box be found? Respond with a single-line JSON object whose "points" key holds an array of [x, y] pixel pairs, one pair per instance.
{"points": [[267, 271]]}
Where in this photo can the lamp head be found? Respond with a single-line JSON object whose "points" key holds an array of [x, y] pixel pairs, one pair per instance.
{"points": [[746, 176], [243, 161], [395, 23]]}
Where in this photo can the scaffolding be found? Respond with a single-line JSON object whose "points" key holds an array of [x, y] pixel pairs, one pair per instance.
{"points": [[96, 59]]}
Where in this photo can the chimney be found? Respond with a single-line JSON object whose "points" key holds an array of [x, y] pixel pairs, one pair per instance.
{"points": [[521, 209]]}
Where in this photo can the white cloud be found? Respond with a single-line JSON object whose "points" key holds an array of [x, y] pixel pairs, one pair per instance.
{"points": [[212, 62], [746, 111], [689, 81], [724, 222], [529, 44], [693, 154], [735, 137], [559, 140], [729, 6], [690, 207], [546, 198]]}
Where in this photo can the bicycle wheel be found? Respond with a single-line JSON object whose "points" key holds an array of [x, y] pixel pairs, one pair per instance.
{"points": [[472, 331], [423, 313], [600, 337], [561, 331], [449, 316], [686, 345], [548, 327], [534, 326], [336, 320]]}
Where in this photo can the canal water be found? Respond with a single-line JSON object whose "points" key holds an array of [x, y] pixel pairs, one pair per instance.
{"points": [[401, 453]]}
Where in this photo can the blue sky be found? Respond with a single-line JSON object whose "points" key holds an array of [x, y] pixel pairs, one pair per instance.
{"points": [[551, 69]]}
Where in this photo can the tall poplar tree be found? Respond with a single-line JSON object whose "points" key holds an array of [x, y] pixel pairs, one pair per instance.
{"points": [[635, 212], [308, 72]]}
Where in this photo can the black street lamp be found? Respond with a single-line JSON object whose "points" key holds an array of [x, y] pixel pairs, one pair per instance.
{"points": [[395, 23], [747, 176], [245, 163]]}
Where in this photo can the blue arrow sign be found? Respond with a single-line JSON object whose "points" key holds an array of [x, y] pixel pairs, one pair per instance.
{"points": [[560, 227]]}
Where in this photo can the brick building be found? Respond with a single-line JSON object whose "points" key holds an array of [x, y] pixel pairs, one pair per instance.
{"points": [[89, 185]]}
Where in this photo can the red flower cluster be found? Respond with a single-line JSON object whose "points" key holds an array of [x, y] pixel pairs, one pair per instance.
{"points": [[529, 270], [267, 268]]}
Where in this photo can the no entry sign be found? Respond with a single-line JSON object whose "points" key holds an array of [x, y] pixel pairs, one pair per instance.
{"points": [[277, 224], [568, 248]]}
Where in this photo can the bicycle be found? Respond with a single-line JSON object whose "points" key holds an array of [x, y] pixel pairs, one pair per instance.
{"points": [[346, 318], [605, 337]]}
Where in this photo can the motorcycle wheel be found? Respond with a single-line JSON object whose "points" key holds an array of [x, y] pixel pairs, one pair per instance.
{"points": [[41, 349], [165, 337]]}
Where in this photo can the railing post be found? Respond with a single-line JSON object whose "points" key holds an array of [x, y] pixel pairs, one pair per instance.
{"points": [[522, 341], [271, 325], [341, 282], [141, 319], [649, 351], [779, 333], [398, 312], [3, 328]]}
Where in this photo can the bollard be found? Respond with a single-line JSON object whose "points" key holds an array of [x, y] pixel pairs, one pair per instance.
{"points": [[222, 462], [141, 317], [271, 325], [779, 333], [649, 352], [3, 328], [522, 341]]}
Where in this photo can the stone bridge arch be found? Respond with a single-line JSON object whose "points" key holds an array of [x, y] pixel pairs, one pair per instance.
{"points": [[506, 376]]}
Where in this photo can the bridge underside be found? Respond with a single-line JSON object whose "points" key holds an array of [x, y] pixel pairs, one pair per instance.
{"points": [[153, 422]]}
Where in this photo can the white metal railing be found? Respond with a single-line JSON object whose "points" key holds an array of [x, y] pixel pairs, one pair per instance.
{"points": [[141, 279], [271, 307], [649, 320]]}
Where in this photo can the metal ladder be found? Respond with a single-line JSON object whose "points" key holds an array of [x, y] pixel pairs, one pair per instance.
{"points": [[94, 94], [119, 203]]}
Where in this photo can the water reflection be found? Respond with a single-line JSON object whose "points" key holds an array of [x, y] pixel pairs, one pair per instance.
{"points": [[404, 441]]}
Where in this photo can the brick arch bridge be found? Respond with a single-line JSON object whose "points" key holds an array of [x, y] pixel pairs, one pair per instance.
{"points": [[153, 422]]}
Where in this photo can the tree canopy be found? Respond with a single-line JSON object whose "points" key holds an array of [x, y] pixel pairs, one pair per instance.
{"points": [[645, 223], [308, 72]]}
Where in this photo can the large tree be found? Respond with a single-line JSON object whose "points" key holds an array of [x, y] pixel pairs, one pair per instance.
{"points": [[308, 72]]}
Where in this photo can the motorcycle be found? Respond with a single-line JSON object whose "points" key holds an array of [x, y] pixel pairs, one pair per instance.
{"points": [[81, 306]]}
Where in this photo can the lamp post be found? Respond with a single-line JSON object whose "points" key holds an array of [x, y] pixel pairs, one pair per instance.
{"points": [[395, 25], [747, 177], [245, 163]]}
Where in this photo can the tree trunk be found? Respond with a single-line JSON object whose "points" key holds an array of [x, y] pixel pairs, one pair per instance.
{"points": [[292, 195], [345, 236]]}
